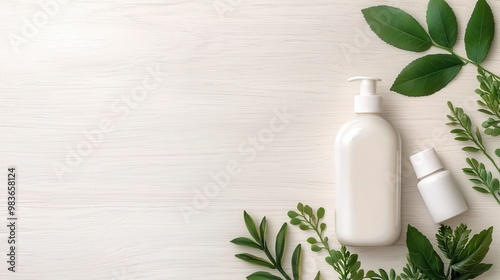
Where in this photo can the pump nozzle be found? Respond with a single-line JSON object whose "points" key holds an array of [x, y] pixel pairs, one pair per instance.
{"points": [[368, 84], [367, 101]]}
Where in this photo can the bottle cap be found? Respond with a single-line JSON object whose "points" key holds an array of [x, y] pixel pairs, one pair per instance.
{"points": [[367, 101], [426, 162], [439, 190]]}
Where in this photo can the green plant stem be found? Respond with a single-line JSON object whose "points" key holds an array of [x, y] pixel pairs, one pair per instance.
{"points": [[274, 262], [314, 226], [466, 60]]}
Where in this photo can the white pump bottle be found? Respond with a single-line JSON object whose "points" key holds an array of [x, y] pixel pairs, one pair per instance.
{"points": [[368, 168]]}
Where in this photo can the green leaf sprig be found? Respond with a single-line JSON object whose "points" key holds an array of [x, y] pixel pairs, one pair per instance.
{"points": [[258, 241], [489, 91], [484, 180], [431, 73], [343, 262]]}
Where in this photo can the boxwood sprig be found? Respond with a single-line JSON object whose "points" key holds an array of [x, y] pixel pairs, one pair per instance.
{"points": [[343, 262]]}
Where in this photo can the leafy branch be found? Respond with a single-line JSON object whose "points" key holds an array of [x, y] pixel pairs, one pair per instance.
{"points": [[431, 73], [477, 170], [258, 240], [342, 261]]}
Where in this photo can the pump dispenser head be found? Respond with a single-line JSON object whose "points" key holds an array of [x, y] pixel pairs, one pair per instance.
{"points": [[367, 101]]}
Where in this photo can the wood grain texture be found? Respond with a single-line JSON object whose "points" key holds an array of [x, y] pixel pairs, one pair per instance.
{"points": [[119, 209]]}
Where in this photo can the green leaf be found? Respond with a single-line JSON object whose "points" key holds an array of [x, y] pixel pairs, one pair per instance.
{"points": [[243, 241], [444, 239], [308, 210], [442, 23], [292, 214], [300, 207], [304, 227], [474, 252], [297, 262], [397, 28], [462, 139], [251, 227], [322, 226], [262, 275], [497, 152], [318, 276], [263, 230], [495, 185], [315, 248], [422, 255], [312, 240], [254, 260], [480, 32], [478, 270], [478, 135], [471, 149], [427, 75], [457, 130], [281, 243], [481, 190], [321, 212]]}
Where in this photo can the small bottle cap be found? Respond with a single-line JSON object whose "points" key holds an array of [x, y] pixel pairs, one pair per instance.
{"points": [[440, 193], [426, 162]]}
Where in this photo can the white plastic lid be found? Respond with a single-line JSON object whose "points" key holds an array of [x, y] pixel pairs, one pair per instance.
{"points": [[367, 101], [426, 162]]}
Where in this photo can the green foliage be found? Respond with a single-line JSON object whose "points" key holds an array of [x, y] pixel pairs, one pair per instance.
{"points": [[465, 256], [431, 73], [343, 262], [482, 178], [258, 241]]}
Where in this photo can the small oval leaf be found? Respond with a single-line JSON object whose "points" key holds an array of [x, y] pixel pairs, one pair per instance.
{"points": [[320, 213], [497, 152], [312, 240], [495, 185], [295, 221], [292, 214], [442, 23], [397, 28], [315, 248], [427, 75], [308, 210], [300, 207], [480, 32]]}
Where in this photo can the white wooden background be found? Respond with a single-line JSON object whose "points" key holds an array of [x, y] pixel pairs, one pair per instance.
{"points": [[132, 206]]}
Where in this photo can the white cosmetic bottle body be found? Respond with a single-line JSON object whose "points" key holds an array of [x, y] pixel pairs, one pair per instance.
{"points": [[368, 167]]}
